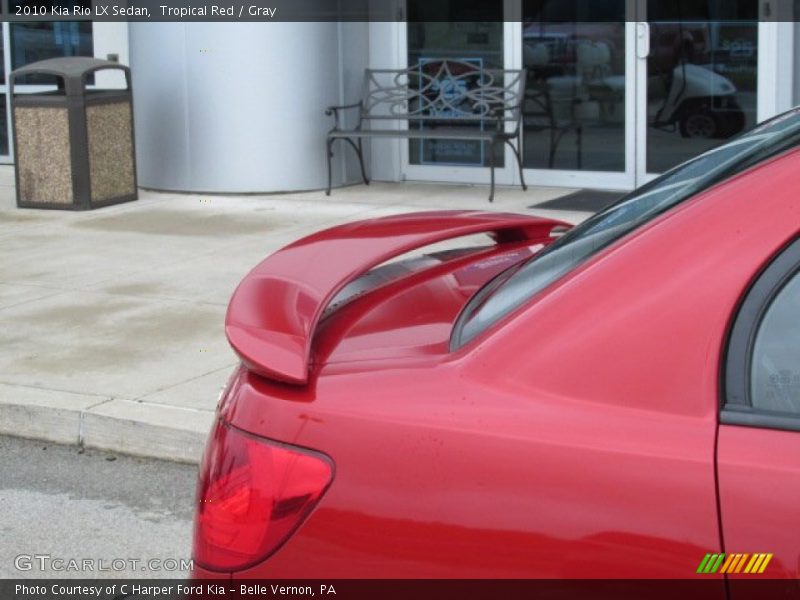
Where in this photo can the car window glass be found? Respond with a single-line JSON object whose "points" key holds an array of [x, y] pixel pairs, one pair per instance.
{"points": [[636, 209], [775, 366]]}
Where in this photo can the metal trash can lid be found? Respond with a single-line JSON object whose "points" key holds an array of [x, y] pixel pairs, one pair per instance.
{"points": [[73, 70]]}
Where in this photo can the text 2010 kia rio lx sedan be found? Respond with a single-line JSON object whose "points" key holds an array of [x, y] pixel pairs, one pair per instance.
{"points": [[619, 399]]}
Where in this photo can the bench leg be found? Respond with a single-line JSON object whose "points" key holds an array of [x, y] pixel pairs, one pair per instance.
{"points": [[519, 163], [329, 153], [361, 162], [491, 171], [555, 138], [360, 154]]}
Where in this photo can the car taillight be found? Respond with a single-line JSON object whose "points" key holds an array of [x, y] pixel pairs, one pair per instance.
{"points": [[251, 496]]}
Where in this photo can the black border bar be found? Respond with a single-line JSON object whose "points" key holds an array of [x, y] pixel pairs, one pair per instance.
{"points": [[307, 10], [711, 587]]}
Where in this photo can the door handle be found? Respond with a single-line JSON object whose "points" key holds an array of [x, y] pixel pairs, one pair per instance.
{"points": [[642, 39]]}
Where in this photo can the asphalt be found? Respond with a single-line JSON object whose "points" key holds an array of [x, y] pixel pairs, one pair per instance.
{"points": [[111, 321], [66, 502]]}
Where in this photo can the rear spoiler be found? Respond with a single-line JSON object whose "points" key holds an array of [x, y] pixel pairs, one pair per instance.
{"points": [[275, 310]]}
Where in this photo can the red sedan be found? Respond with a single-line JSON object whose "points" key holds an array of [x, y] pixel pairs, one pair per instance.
{"points": [[617, 399]]}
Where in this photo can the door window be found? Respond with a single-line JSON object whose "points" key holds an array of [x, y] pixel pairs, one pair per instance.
{"points": [[775, 366], [762, 379]]}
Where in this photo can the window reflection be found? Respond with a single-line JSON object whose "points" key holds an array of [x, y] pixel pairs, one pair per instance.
{"points": [[775, 378], [434, 33], [32, 42], [574, 111], [702, 75]]}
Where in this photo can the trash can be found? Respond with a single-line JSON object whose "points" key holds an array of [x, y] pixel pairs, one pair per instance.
{"points": [[74, 146]]}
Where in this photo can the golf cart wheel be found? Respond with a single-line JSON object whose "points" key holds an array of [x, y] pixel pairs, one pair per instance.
{"points": [[699, 124]]}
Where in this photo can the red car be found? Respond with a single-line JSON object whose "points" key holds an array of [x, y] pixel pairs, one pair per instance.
{"points": [[620, 399]]}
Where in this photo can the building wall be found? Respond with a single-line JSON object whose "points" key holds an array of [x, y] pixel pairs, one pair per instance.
{"points": [[111, 39], [354, 48], [239, 107]]}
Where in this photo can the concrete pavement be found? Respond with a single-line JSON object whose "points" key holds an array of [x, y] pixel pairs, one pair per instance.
{"points": [[111, 321]]}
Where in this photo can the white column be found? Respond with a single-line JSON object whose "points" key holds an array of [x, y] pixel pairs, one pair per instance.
{"points": [[238, 107], [775, 67]]}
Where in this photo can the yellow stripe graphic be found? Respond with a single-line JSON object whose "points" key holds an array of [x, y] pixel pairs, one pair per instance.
{"points": [[734, 562], [765, 563], [752, 562], [741, 563], [759, 559], [727, 563]]}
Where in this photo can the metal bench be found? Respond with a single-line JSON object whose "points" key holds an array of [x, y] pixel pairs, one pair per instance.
{"points": [[438, 100]]}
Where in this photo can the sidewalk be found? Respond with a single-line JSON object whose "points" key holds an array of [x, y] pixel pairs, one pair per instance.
{"points": [[111, 321]]}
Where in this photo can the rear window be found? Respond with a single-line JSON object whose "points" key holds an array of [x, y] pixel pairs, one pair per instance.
{"points": [[514, 287]]}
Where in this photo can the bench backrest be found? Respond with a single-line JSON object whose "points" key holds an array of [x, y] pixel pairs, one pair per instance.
{"points": [[443, 90]]}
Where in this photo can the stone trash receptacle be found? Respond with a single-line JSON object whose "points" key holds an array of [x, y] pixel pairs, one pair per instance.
{"points": [[74, 146]]}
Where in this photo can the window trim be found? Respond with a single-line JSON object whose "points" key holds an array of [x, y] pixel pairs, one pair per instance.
{"points": [[737, 407]]}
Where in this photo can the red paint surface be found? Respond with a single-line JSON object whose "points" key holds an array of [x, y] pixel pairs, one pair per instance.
{"points": [[575, 438], [759, 473]]}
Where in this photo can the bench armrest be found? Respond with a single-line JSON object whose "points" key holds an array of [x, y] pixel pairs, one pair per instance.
{"points": [[336, 110]]}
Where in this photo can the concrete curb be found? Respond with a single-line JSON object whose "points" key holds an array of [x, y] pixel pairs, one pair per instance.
{"points": [[124, 426]]}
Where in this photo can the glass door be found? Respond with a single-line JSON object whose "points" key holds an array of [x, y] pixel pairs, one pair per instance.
{"points": [[617, 91], [697, 78], [472, 32], [579, 105], [622, 90]]}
